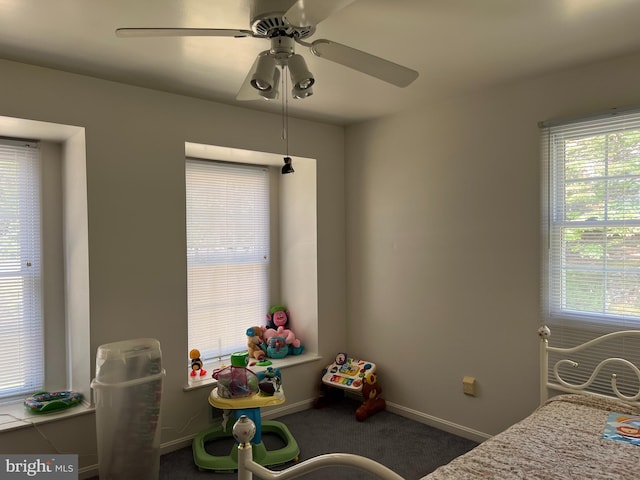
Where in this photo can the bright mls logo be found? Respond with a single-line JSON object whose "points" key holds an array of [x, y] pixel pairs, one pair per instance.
{"points": [[51, 467]]}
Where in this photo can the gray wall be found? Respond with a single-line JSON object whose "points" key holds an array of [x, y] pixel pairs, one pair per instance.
{"points": [[443, 242], [136, 227]]}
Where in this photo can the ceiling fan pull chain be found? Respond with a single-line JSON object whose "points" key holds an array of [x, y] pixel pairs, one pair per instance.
{"points": [[284, 109], [285, 92], [287, 168]]}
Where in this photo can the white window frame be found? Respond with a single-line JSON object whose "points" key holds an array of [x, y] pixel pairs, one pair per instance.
{"points": [[220, 307], [567, 214]]}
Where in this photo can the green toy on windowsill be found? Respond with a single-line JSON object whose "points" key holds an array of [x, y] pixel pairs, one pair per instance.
{"points": [[47, 402]]}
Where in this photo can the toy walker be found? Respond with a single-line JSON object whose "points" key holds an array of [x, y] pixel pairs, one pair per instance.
{"points": [[238, 397]]}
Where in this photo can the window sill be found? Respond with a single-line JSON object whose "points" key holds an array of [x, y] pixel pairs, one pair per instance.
{"points": [[194, 383], [14, 416]]}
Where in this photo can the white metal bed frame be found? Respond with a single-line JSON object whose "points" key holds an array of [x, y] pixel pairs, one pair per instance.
{"points": [[563, 385], [244, 429]]}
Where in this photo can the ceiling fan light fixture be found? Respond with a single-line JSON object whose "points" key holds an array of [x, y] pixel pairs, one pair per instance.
{"points": [[264, 79], [301, 77], [299, 94], [272, 93]]}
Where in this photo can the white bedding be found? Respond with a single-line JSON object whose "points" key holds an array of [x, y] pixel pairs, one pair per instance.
{"points": [[560, 440]]}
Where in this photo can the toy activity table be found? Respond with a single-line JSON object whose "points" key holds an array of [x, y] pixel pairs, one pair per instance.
{"points": [[249, 406], [347, 374]]}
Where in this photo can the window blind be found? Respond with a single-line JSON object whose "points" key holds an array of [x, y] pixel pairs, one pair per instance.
{"points": [[21, 319], [592, 224], [227, 254]]}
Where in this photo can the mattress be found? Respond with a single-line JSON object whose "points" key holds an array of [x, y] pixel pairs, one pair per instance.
{"points": [[562, 439]]}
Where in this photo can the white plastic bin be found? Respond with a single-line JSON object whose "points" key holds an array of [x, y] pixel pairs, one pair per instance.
{"points": [[128, 390]]}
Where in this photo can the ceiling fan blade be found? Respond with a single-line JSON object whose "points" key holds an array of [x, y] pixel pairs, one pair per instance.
{"points": [[308, 13], [364, 62], [182, 32]]}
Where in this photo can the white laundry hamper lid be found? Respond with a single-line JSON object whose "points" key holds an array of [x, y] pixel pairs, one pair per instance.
{"points": [[128, 360]]}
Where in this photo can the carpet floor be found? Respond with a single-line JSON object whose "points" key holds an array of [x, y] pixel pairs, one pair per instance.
{"points": [[407, 447]]}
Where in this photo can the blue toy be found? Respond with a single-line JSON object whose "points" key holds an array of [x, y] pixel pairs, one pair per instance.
{"points": [[269, 381], [277, 347]]}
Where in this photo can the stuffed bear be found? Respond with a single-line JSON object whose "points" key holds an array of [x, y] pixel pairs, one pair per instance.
{"points": [[255, 343]]}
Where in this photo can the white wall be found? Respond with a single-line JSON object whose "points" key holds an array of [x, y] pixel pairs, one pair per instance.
{"points": [[443, 216], [135, 148]]}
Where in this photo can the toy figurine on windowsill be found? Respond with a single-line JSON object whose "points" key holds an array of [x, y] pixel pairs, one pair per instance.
{"points": [[196, 363]]}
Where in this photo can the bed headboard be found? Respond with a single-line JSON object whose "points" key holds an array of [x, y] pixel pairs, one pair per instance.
{"points": [[558, 383]]}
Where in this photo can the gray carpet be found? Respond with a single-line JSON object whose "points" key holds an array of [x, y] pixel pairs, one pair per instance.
{"points": [[409, 448]]}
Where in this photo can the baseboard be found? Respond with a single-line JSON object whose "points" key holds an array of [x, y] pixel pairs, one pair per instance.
{"points": [[275, 412], [409, 413], [438, 423]]}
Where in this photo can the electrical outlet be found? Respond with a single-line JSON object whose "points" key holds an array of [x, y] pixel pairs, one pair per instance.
{"points": [[469, 386]]}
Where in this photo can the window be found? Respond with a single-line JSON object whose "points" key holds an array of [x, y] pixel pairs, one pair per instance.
{"points": [[46, 358], [594, 220], [592, 224], [21, 319], [228, 254]]}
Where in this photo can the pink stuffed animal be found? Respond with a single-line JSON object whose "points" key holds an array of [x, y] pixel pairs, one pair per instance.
{"points": [[293, 343], [278, 316], [277, 319]]}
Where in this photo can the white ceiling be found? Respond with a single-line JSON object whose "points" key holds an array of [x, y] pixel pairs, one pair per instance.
{"points": [[455, 45]]}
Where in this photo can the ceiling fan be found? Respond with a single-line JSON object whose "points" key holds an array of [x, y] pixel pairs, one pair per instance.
{"points": [[285, 23]]}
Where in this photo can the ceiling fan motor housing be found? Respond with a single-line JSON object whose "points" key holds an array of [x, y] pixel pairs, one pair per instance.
{"points": [[282, 47], [267, 19]]}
